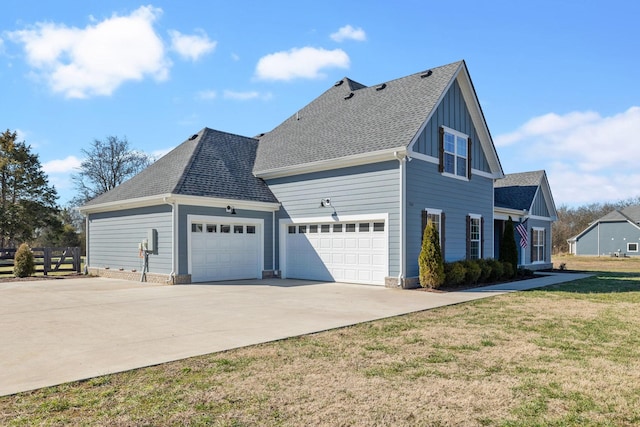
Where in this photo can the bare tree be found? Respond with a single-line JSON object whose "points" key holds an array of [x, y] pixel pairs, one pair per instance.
{"points": [[106, 165]]}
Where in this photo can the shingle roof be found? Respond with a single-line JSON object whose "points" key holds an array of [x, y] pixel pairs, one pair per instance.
{"points": [[630, 213], [213, 164], [351, 119], [517, 190]]}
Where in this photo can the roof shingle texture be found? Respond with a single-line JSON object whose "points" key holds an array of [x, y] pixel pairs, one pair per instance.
{"points": [[517, 190], [338, 124], [629, 213], [214, 164]]}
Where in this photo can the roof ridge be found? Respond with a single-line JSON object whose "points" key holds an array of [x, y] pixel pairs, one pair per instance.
{"points": [[192, 159]]}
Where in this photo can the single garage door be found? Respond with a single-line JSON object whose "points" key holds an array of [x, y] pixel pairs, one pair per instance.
{"points": [[225, 251], [340, 251]]}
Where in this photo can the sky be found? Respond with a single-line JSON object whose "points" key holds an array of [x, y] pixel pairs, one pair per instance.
{"points": [[558, 81]]}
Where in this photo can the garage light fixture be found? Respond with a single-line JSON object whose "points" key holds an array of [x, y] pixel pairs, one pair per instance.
{"points": [[325, 203], [231, 210]]}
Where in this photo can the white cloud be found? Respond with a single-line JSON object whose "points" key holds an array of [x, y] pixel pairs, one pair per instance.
{"points": [[97, 59], [207, 94], [66, 165], [349, 33], [245, 96], [306, 62], [191, 47], [589, 158]]}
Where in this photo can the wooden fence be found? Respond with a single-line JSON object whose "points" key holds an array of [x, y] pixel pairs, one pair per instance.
{"points": [[47, 260]]}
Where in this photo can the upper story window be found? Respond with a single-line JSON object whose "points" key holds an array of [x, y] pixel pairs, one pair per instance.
{"points": [[455, 153]]}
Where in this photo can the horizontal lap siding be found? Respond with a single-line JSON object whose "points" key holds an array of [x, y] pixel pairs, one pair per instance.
{"points": [[614, 236], [427, 188], [114, 238], [184, 230], [359, 190]]}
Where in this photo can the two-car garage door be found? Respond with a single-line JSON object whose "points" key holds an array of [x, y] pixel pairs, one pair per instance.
{"points": [[338, 251]]}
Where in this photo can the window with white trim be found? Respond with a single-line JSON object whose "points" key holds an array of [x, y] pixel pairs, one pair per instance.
{"points": [[455, 152], [475, 236], [632, 247], [537, 245], [435, 216]]}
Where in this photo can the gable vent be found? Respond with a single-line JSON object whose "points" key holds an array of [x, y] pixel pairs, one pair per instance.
{"points": [[427, 74], [193, 137], [349, 96], [382, 86], [338, 83]]}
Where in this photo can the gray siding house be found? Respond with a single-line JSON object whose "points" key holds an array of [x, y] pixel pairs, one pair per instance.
{"points": [[526, 198], [340, 190], [615, 234]]}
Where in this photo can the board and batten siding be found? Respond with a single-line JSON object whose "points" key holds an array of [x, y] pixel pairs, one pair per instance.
{"points": [[540, 207], [359, 190], [452, 112], [184, 229], [457, 198], [114, 239], [538, 223]]}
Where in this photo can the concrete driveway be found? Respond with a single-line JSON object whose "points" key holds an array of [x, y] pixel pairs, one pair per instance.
{"points": [[56, 331]]}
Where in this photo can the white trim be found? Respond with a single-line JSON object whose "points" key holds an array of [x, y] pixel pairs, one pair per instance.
{"points": [[632, 243], [436, 161], [544, 245], [330, 164], [505, 213], [178, 199], [226, 220], [286, 222]]}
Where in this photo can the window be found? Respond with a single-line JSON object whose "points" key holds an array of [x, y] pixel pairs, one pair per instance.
{"points": [[350, 228], [337, 228], [325, 228], [378, 226], [475, 236], [238, 229], [302, 229], [225, 229], [251, 229], [364, 227], [196, 228], [436, 216], [454, 148], [292, 229], [632, 247], [212, 228], [537, 245], [313, 229]]}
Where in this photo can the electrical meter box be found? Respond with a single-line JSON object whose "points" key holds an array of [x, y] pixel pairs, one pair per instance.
{"points": [[152, 240]]}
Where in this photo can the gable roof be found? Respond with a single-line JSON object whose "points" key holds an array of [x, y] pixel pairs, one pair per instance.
{"points": [[630, 214], [353, 121], [209, 164], [519, 190]]}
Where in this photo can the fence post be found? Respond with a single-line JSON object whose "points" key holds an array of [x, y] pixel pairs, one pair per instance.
{"points": [[46, 259], [76, 259]]}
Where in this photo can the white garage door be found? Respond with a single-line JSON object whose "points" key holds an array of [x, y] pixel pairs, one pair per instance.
{"points": [[224, 251], [344, 252]]}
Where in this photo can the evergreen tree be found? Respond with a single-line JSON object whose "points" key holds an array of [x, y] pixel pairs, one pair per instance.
{"points": [[430, 261], [27, 201], [508, 247]]}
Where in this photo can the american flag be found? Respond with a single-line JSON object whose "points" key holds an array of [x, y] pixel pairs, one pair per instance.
{"points": [[524, 236]]}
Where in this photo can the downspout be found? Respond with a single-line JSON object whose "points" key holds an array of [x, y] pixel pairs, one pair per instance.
{"points": [[273, 242], [86, 244], [401, 157], [172, 275]]}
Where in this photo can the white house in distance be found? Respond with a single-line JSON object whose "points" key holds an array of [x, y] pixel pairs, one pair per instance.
{"points": [[336, 192]]}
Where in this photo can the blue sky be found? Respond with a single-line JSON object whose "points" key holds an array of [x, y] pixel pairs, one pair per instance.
{"points": [[557, 80]]}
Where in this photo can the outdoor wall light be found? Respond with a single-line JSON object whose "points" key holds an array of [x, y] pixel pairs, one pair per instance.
{"points": [[325, 203], [231, 210]]}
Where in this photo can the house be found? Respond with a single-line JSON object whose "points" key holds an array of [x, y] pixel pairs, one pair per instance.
{"points": [[526, 198], [340, 190], [616, 234]]}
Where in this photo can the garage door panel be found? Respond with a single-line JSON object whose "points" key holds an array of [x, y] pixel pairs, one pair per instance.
{"points": [[356, 256]]}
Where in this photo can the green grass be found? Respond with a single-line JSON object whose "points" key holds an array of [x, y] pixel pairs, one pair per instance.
{"points": [[565, 355]]}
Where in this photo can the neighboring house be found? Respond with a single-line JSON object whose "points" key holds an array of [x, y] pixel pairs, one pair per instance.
{"points": [[616, 234], [526, 198], [340, 190]]}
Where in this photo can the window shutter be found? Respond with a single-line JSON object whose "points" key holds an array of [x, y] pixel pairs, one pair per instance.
{"points": [[468, 250], [442, 234], [481, 252], [469, 145], [441, 150], [532, 247], [424, 223]]}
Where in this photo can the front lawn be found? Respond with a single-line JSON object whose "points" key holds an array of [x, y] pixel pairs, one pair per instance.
{"points": [[564, 355]]}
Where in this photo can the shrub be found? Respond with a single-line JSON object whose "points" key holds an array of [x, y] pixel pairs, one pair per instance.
{"points": [[525, 272], [430, 260], [496, 270], [24, 264], [509, 249], [507, 270], [485, 270], [454, 273], [473, 271]]}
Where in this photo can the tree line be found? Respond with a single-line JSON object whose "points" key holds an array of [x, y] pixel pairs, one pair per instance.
{"points": [[29, 209]]}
